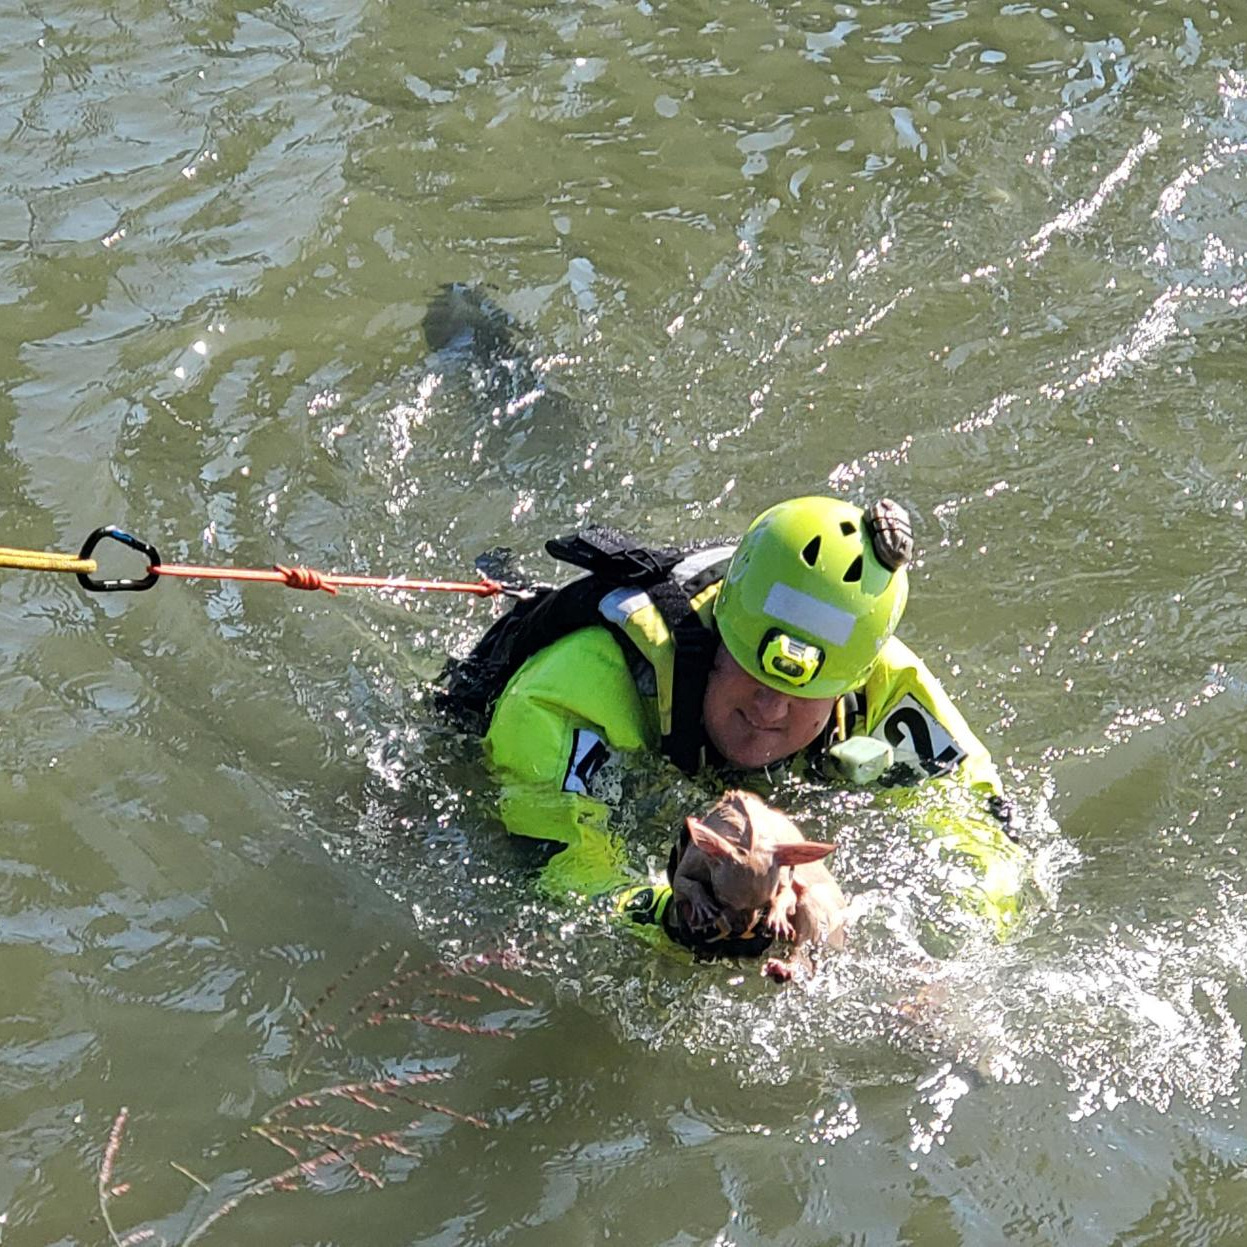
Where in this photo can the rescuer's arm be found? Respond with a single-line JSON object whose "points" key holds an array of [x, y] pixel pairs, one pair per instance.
{"points": [[561, 719], [957, 809]]}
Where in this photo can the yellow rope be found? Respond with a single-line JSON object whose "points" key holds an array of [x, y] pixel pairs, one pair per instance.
{"points": [[44, 561]]}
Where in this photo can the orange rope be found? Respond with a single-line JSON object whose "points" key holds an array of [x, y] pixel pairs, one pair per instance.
{"points": [[307, 578]]}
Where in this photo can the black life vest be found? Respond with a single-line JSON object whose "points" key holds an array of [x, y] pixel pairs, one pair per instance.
{"points": [[611, 560]]}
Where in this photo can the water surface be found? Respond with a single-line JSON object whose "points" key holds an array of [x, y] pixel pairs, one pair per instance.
{"points": [[987, 259]]}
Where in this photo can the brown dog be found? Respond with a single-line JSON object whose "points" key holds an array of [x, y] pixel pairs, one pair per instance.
{"points": [[746, 862]]}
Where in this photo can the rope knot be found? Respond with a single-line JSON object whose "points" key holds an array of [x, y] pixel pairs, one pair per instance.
{"points": [[304, 578]]}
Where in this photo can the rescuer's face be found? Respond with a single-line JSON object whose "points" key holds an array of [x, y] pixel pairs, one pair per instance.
{"points": [[753, 725]]}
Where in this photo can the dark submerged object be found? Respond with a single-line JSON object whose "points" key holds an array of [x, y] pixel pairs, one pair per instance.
{"points": [[464, 326], [461, 319]]}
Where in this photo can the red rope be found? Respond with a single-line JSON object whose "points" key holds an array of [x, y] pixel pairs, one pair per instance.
{"points": [[308, 578], [304, 578]]}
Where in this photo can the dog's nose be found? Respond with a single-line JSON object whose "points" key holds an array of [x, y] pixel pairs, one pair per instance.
{"points": [[744, 921]]}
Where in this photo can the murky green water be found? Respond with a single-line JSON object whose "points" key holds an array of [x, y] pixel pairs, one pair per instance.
{"points": [[990, 259]]}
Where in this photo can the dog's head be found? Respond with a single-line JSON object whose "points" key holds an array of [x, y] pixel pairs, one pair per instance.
{"points": [[748, 846]]}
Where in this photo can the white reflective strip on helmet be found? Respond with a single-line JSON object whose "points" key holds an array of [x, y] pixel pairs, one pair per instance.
{"points": [[818, 620]]}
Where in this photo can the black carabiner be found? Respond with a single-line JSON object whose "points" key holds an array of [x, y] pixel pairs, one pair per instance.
{"points": [[113, 586]]}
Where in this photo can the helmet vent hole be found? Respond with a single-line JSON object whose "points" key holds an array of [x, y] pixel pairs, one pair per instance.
{"points": [[854, 574], [810, 553], [848, 528]]}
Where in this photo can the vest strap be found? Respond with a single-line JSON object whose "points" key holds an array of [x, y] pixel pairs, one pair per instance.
{"points": [[695, 647]]}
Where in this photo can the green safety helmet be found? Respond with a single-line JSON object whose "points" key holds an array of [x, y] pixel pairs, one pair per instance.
{"points": [[814, 589]]}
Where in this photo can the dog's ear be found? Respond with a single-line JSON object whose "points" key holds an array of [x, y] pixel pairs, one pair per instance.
{"points": [[708, 840], [799, 852]]}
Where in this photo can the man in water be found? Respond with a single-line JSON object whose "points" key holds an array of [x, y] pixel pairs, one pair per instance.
{"points": [[780, 650]]}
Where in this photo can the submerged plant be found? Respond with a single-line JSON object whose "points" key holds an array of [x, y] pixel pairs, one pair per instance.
{"points": [[384, 1113]]}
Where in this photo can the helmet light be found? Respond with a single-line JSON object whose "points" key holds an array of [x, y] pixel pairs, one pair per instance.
{"points": [[785, 658]]}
